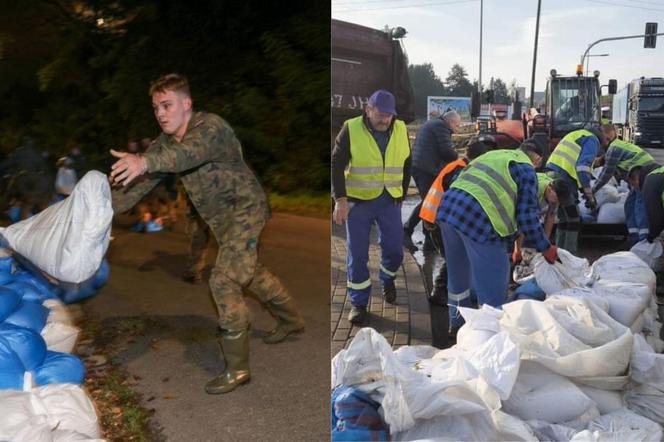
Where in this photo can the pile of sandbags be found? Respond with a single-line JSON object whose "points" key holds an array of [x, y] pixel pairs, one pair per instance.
{"points": [[610, 200], [41, 398], [579, 365]]}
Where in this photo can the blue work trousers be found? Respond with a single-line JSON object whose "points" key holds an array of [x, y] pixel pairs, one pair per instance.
{"points": [[482, 269], [386, 214], [636, 218]]}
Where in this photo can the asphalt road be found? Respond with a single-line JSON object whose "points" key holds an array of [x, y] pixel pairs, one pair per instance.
{"points": [[288, 396]]}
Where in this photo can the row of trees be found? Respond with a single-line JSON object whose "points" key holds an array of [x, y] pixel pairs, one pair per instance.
{"points": [[426, 82], [77, 72]]}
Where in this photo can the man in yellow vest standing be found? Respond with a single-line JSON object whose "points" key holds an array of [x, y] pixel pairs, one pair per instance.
{"points": [[492, 200], [370, 177], [621, 157], [571, 160]]}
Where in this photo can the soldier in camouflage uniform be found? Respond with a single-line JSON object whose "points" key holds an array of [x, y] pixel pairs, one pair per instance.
{"points": [[203, 149]]}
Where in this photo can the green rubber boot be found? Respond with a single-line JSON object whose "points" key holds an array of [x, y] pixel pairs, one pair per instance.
{"points": [[235, 346], [288, 317]]}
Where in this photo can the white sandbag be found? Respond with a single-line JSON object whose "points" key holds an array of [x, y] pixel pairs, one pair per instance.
{"points": [[627, 300], [72, 436], [58, 312], [606, 400], [638, 324], [541, 338], [607, 194], [411, 355], [69, 405], [467, 427], [623, 267], [480, 326], [18, 412], [536, 391], [60, 337], [611, 213], [405, 395], [622, 425], [586, 293], [581, 321], [69, 239], [646, 401], [546, 431], [647, 367], [570, 272], [648, 252]]}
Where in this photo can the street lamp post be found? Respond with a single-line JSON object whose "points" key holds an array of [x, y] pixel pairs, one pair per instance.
{"points": [[588, 61]]}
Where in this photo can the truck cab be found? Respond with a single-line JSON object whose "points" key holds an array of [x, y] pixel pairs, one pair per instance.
{"points": [[572, 103], [638, 112]]}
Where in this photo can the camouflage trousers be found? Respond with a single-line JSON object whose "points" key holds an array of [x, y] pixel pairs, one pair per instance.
{"points": [[238, 268], [199, 237]]}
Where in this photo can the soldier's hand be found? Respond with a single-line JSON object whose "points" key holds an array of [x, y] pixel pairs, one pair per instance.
{"points": [[341, 210], [127, 168]]}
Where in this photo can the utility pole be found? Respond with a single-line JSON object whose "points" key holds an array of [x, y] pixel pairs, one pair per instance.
{"points": [[532, 80], [479, 83]]}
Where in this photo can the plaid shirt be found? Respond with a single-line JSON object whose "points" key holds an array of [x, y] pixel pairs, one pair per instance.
{"points": [[462, 211]]}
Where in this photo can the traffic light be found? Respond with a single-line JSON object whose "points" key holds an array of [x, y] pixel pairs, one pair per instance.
{"points": [[651, 35], [488, 96]]}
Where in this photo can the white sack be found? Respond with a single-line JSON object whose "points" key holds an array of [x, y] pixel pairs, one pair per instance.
{"points": [[69, 405], [60, 337], [627, 300], [58, 312], [586, 293], [542, 338], [69, 239], [606, 400], [621, 425], [607, 194], [480, 326], [536, 392], [570, 272], [611, 213], [19, 412], [624, 267], [648, 252], [647, 367], [546, 431], [405, 394]]}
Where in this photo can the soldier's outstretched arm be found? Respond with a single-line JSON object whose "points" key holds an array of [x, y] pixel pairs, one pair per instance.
{"points": [[208, 141], [124, 198]]}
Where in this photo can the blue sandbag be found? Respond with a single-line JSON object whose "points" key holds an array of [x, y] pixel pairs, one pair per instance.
{"points": [[60, 368], [27, 291], [29, 315], [530, 290], [27, 344], [355, 416], [78, 292], [9, 301], [45, 288], [11, 368], [6, 266], [101, 277]]}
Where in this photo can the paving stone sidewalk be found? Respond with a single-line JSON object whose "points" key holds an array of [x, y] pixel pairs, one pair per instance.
{"points": [[406, 323]]}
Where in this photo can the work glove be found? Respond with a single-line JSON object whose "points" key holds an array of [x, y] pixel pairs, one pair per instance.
{"points": [[551, 254], [517, 257], [591, 202], [341, 210]]}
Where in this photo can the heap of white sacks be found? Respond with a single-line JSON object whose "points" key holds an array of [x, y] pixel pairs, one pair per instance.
{"points": [[610, 200], [583, 365]]}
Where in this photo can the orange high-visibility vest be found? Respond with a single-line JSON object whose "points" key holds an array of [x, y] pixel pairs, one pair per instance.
{"points": [[435, 194]]}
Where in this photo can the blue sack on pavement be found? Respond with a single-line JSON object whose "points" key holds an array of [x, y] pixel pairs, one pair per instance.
{"points": [[529, 290], [29, 315], [355, 416], [6, 265], [11, 368], [28, 345], [45, 288], [77, 292], [9, 301], [60, 368]]}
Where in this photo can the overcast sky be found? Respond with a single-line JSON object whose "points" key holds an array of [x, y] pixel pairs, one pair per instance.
{"points": [[444, 32]]}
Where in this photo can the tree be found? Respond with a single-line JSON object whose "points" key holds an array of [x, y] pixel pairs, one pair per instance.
{"points": [[500, 94], [425, 83], [457, 83]]}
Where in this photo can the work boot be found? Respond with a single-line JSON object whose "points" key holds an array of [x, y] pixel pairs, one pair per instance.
{"points": [[235, 346], [289, 320], [389, 292], [358, 314]]}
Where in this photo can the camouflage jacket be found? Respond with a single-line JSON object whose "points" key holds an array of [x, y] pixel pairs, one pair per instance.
{"points": [[209, 160]]}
